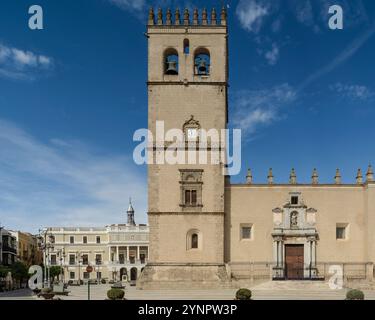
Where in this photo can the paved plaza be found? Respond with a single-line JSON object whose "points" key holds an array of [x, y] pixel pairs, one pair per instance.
{"points": [[296, 290]]}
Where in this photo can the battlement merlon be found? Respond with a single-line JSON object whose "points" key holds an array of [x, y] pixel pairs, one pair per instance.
{"points": [[184, 20]]}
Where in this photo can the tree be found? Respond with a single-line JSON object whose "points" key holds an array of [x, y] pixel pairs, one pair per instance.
{"points": [[54, 272], [4, 271], [19, 271]]}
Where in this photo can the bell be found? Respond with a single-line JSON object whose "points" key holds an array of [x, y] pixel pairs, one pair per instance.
{"points": [[171, 68], [202, 67]]}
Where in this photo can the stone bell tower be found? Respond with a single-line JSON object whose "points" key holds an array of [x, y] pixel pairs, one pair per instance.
{"points": [[187, 90]]}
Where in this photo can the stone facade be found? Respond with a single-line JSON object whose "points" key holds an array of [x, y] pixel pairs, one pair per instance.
{"points": [[177, 99], [330, 221], [207, 232], [27, 248]]}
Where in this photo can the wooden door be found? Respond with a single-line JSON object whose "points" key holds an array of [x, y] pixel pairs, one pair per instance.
{"points": [[294, 262]]}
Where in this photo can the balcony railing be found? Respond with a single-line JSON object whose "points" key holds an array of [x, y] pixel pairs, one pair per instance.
{"points": [[105, 263], [124, 262], [9, 249]]}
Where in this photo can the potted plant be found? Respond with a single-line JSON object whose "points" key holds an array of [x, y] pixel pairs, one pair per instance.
{"points": [[243, 294], [46, 293], [355, 295], [37, 291], [115, 294]]}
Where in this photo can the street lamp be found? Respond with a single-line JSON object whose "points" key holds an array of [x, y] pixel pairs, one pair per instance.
{"points": [[97, 269], [62, 255], [46, 247], [79, 258]]}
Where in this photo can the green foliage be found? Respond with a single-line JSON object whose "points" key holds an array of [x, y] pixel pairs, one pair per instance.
{"points": [[4, 271], [55, 271], [115, 294], [355, 295], [19, 271], [243, 294]]}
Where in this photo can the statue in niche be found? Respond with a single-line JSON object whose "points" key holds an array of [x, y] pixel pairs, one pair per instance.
{"points": [[294, 219]]}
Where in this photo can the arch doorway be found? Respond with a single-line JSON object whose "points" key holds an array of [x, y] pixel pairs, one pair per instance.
{"points": [[123, 274], [133, 274]]}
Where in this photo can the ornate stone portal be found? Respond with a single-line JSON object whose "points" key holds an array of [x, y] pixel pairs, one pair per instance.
{"points": [[294, 227]]}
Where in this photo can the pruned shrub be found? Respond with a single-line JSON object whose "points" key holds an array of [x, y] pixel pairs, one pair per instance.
{"points": [[355, 294], [243, 294], [115, 294], [46, 290]]}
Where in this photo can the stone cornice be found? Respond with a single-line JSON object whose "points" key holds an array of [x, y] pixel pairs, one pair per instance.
{"points": [[182, 264], [187, 83], [185, 213], [285, 185]]}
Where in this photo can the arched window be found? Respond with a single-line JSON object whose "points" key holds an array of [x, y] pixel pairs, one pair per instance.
{"points": [[186, 46], [202, 62], [194, 241], [171, 62]]}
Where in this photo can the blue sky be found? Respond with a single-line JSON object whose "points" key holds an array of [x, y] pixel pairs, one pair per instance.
{"points": [[72, 95]]}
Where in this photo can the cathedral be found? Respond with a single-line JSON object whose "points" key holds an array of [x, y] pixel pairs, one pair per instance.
{"points": [[206, 232]]}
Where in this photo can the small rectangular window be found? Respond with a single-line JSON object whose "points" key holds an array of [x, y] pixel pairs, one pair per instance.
{"points": [[246, 232], [72, 259], [86, 275], [72, 275], [341, 231], [53, 259], [84, 239], [85, 259], [98, 259], [194, 197], [294, 200], [97, 239], [186, 46], [191, 197], [187, 197], [71, 239]]}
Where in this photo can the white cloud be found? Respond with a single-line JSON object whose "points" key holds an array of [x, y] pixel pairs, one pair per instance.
{"points": [[45, 61], [130, 5], [24, 58], [59, 183], [254, 108], [352, 91], [272, 55], [310, 13], [251, 14], [20, 64], [303, 11]]}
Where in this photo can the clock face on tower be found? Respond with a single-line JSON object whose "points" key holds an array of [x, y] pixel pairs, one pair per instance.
{"points": [[192, 134]]}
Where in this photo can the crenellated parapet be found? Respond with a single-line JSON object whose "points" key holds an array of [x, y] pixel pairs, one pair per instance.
{"points": [[359, 178], [194, 18]]}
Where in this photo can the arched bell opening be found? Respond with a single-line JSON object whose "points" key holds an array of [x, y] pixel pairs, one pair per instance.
{"points": [[202, 62], [171, 62]]}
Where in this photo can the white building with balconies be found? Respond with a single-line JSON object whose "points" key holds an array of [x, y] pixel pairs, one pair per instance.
{"points": [[116, 252]]}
